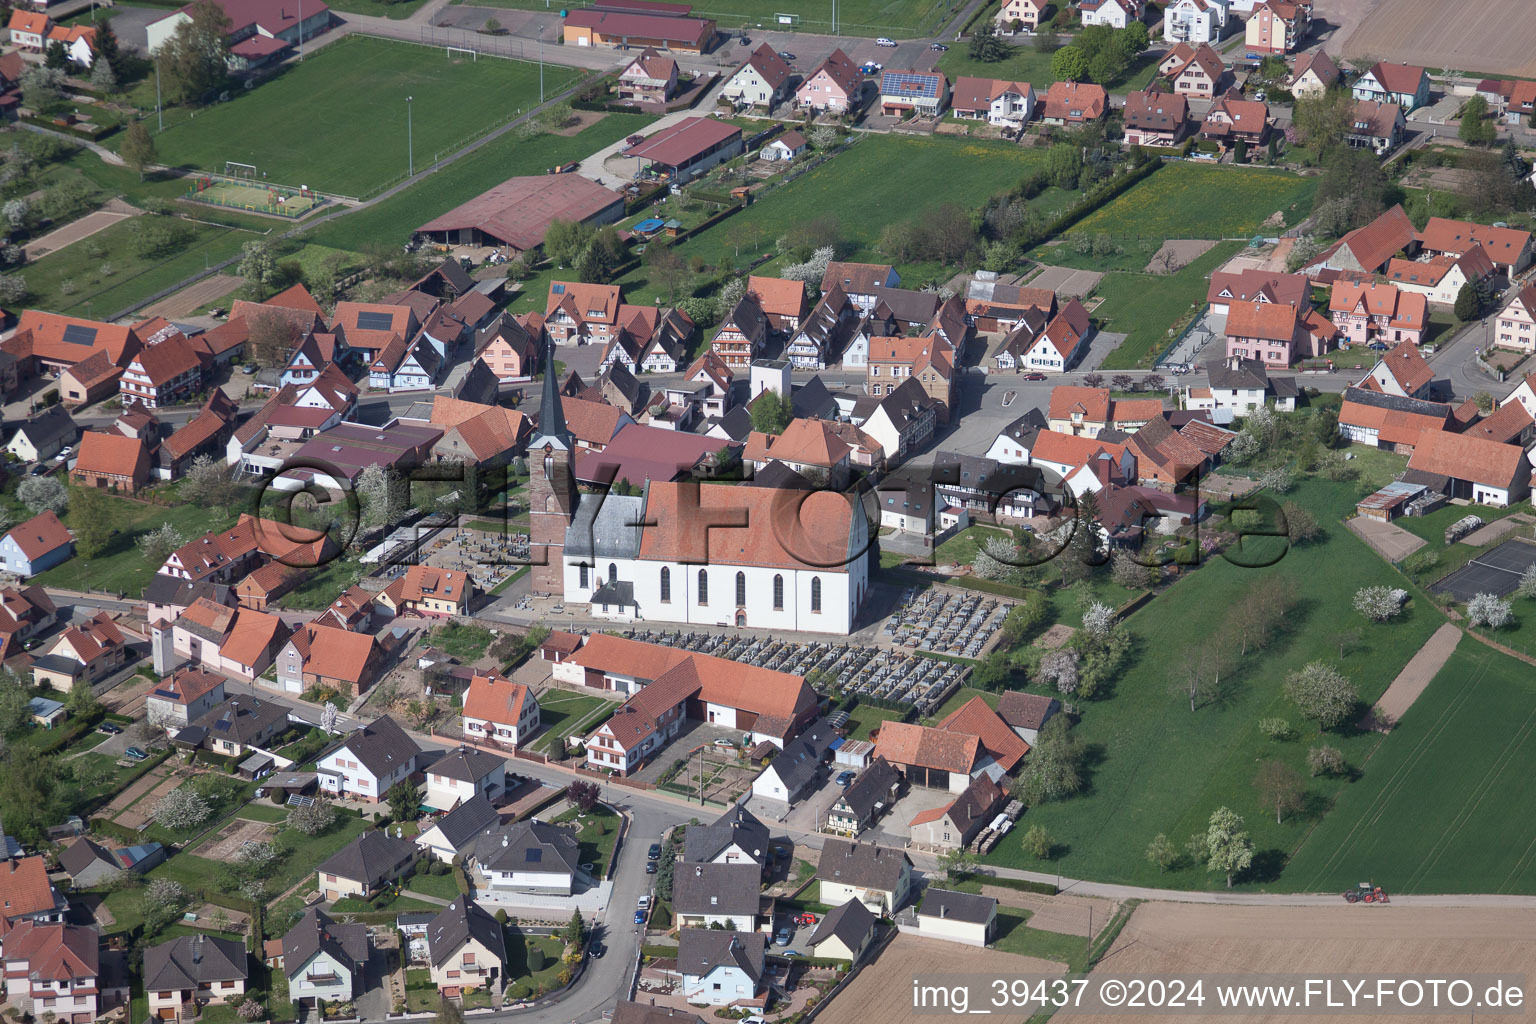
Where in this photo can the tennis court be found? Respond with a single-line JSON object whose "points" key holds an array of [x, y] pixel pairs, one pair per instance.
{"points": [[1494, 572]]}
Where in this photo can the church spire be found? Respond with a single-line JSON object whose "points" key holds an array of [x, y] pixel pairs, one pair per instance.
{"points": [[552, 432]]}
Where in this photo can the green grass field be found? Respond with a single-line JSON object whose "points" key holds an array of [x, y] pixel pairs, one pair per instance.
{"points": [[1185, 200], [121, 567], [1145, 307], [563, 713], [392, 220], [337, 122], [900, 18], [1445, 805], [255, 198], [1156, 767], [73, 280], [882, 180]]}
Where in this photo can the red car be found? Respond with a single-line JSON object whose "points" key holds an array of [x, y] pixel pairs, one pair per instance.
{"points": [[1035, 376]]}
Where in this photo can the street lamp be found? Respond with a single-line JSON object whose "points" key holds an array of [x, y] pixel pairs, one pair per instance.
{"points": [[410, 154], [541, 65]]}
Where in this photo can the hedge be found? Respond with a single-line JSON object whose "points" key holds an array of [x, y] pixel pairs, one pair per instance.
{"points": [[69, 129], [1021, 884], [1094, 199]]}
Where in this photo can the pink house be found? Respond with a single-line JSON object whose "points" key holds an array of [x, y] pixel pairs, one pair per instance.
{"points": [[1366, 313], [1278, 333], [835, 86]]}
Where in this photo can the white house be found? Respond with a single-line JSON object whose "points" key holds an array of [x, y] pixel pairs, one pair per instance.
{"points": [[366, 864], [791, 774], [762, 80], [324, 959], [1194, 21], [1026, 13], [54, 968], [1114, 13], [1515, 325], [877, 876], [786, 147], [1525, 394], [957, 916], [1241, 385], [454, 834], [39, 543], [530, 856], [721, 968], [723, 895], [466, 947], [500, 711], [463, 774], [206, 969], [369, 761], [1062, 343]]}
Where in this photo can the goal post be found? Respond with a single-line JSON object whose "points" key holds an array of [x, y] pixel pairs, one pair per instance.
{"points": [[236, 169], [474, 55], [786, 19]]}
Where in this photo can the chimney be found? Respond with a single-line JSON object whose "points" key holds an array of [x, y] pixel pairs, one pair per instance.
{"points": [[943, 910]]}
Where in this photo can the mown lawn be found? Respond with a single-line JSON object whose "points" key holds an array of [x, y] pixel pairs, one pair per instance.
{"points": [[1014, 936], [337, 122], [961, 549], [1156, 767], [865, 719], [1189, 200], [1145, 307], [879, 181], [562, 713], [393, 220], [1445, 805], [901, 18], [107, 273], [121, 567], [597, 832], [441, 886]]}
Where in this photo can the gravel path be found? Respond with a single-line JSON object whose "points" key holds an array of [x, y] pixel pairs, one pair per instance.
{"points": [[1410, 682]]}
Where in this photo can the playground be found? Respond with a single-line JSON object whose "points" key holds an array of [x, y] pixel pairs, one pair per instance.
{"points": [[254, 197]]}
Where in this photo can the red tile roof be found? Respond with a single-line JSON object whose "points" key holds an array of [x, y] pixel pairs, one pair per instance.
{"points": [[778, 297], [335, 653], [1270, 321], [1466, 457], [1406, 364], [721, 525], [24, 887], [682, 142], [253, 635], [39, 535], [1403, 78], [1075, 101], [976, 718], [112, 455], [1503, 245], [1504, 424], [905, 743], [495, 699], [1070, 399], [52, 337]]}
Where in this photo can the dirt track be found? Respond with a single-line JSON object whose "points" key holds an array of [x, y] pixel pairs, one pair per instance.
{"points": [[1497, 36], [1174, 938], [194, 296], [1410, 682]]}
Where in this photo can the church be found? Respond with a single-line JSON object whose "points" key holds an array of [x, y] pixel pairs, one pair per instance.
{"points": [[693, 553]]}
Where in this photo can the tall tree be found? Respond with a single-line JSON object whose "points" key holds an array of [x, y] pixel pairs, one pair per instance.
{"points": [[1228, 847], [771, 412], [258, 265], [403, 800], [138, 149], [91, 522], [986, 45], [1279, 786], [194, 61], [56, 57], [1322, 693], [1476, 128], [107, 49]]}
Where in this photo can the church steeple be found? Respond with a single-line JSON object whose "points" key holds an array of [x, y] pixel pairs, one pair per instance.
{"points": [[552, 432], [552, 493]]}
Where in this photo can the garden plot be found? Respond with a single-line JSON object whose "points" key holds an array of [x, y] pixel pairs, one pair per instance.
{"points": [[228, 841]]}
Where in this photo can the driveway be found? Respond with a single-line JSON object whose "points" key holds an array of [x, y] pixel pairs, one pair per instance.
{"points": [[374, 1003], [1100, 345]]}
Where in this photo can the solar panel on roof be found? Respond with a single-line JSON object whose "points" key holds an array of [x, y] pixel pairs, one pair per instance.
{"points": [[371, 321], [79, 334], [558, 289]]}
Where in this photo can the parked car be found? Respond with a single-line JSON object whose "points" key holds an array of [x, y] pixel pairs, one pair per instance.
{"points": [[1034, 376], [135, 753], [650, 867], [639, 917], [38, 470], [596, 950], [792, 953], [724, 742], [109, 728], [782, 938], [844, 778], [643, 903], [654, 852], [786, 56], [872, 67], [882, 41], [938, 46]]}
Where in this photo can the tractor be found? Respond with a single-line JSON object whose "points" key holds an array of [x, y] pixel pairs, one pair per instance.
{"points": [[1366, 893]]}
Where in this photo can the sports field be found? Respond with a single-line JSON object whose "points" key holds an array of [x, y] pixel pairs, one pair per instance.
{"points": [[337, 122], [901, 18], [255, 198], [1446, 803]]}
